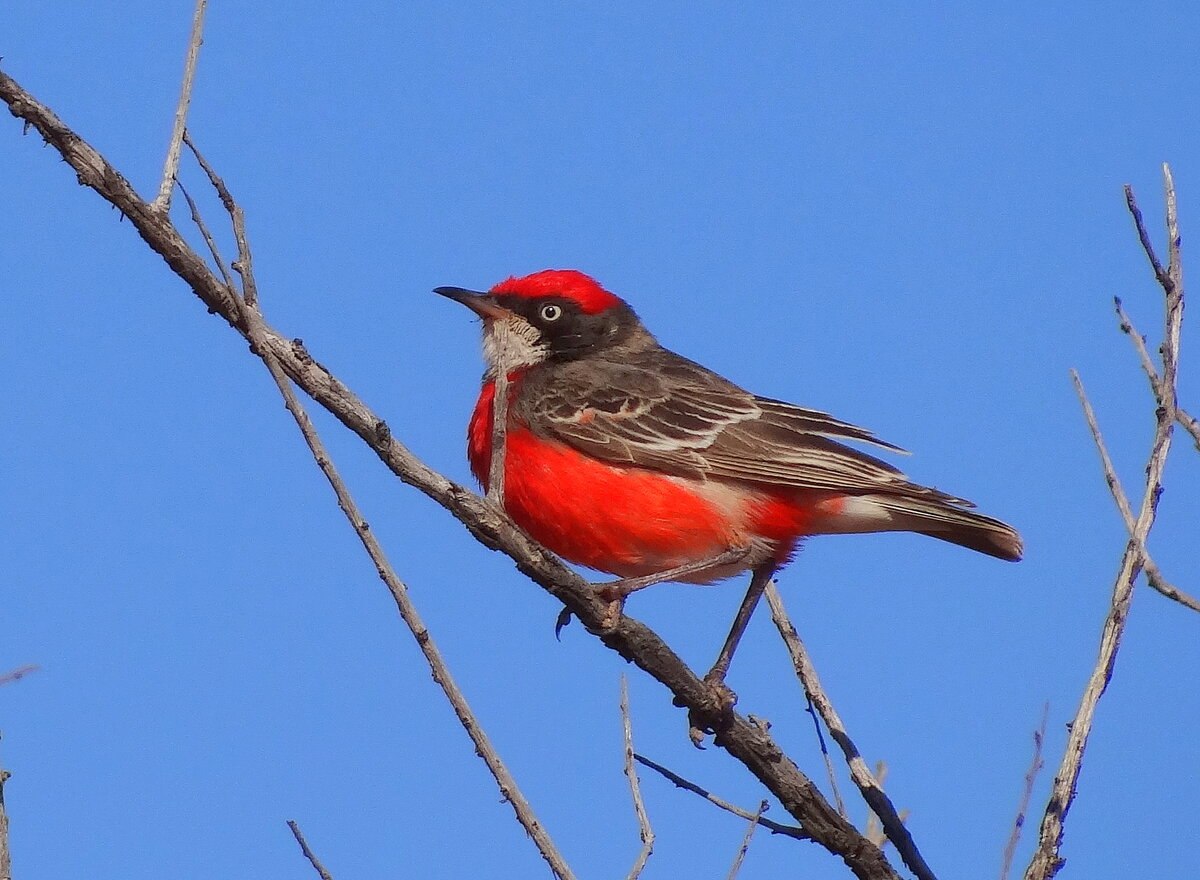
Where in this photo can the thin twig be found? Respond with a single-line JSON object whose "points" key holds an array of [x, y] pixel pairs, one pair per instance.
{"points": [[1046, 861], [1035, 767], [874, 831], [1139, 345], [495, 489], [1153, 575], [19, 673], [208, 240], [833, 783], [256, 328], [870, 787], [308, 853], [639, 807], [5, 856], [1190, 424], [753, 746], [1174, 296], [244, 264], [745, 847], [1160, 273], [741, 812], [1185, 419], [509, 789], [171, 167]]}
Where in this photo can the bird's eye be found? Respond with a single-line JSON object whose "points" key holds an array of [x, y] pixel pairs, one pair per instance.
{"points": [[551, 312]]}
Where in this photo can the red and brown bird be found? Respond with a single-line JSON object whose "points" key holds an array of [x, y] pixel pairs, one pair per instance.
{"points": [[628, 458]]}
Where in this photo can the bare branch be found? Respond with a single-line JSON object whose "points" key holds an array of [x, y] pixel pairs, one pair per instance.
{"points": [[495, 491], [1035, 767], [874, 831], [509, 789], [872, 791], [833, 784], [208, 240], [635, 788], [745, 847], [1189, 423], [1139, 344], [752, 746], [1153, 575], [171, 167], [1160, 273], [257, 330], [244, 264], [308, 853], [19, 673], [687, 785], [1046, 861], [5, 856], [1173, 288]]}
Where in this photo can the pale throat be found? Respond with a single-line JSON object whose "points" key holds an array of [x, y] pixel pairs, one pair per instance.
{"points": [[512, 344]]}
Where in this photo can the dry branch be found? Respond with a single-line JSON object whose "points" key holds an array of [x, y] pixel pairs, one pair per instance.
{"points": [[639, 807], [874, 831], [308, 853], [687, 785], [1188, 422], [1046, 861], [5, 857], [740, 856], [495, 492], [171, 166], [1035, 766], [19, 673], [1154, 576], [752, 746], [868, 785], [253, 320]]}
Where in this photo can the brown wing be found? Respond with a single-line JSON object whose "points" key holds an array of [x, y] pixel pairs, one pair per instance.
{"points": [[663, 411]]}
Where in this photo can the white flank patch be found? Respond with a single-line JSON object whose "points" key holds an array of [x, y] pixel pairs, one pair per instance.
{"points": [[510, 344]]}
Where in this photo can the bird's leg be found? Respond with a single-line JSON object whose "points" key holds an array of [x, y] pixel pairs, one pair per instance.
{"points": [[621, 588], [715, 678], [616, 592]]}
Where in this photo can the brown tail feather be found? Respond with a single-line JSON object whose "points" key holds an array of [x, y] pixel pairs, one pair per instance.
{"points": [[946, 522], [1002, 543]]}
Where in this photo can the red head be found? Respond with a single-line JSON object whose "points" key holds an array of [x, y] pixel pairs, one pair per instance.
{"points": [[568, 283], [552, 315]]}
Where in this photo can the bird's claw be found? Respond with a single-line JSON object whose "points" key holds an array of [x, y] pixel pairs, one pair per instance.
{"points": [[560, 622], [701, 723]]}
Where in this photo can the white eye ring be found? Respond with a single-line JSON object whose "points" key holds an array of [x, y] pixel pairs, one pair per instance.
{"points": [[551, 312]]}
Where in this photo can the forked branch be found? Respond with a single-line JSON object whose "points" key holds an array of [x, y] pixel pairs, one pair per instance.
{"points": [[1046, 861]]}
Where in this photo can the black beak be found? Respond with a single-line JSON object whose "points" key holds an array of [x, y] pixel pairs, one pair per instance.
{"points": [[482, 304]]}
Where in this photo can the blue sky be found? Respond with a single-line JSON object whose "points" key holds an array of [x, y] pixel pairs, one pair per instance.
{"points": [[910, 216]]}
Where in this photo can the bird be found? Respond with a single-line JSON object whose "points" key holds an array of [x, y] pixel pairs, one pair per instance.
{"points": [[627, 458]]}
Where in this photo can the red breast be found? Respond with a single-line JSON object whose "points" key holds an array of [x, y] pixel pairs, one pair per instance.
{"points": [[630, 521]]}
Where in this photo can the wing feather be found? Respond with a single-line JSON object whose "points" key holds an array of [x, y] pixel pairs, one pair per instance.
{"points": [[659, 410]]}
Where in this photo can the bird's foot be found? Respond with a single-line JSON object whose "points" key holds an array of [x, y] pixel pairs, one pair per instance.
{"points": [[702, 722], [608, 620], [721, 693], [612, 612]]}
